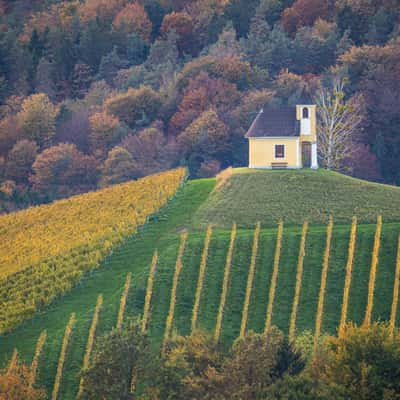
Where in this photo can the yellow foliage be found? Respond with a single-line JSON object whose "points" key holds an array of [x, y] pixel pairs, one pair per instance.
{"points": [[36, 357], [372, 276], [200, 280], [349, 267], [324, 274], [45, 250], [274, 278], [61, 360], [250, 279], [178, 268], [225, 284], [149, 291], [299, 277], [395, 291]]}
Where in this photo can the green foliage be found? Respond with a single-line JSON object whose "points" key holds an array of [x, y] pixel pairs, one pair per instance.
{"points": [[110, 64], [118, 167], [37, 119], [365, 360], [135, 105], [304, 388], [189, 365], [116, 358], [259, 360]]}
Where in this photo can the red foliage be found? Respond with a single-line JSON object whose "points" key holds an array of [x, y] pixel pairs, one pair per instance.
{"points": [[209, 169], [103, 9], [62, 170], [202, 93], [9, 134], [304, 13], [363, 163], [182, 24]]}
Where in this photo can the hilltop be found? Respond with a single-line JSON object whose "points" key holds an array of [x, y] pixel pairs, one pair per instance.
{"points": [[248, 196], [116, 90], [186, 211]]}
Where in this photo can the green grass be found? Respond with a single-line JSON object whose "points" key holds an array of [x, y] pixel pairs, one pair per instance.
{"points": [[134, 256], [267, 196], [163, 233]]}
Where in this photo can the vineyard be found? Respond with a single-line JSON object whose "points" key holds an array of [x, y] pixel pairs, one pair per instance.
{"points": [[226, 281], [45, 250]]}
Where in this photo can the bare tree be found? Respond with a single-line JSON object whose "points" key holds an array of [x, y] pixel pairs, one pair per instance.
{"points": [[338, 121]]}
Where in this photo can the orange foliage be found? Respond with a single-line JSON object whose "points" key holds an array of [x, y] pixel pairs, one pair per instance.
{"points": [[133, 19], [60, 15], [15, 385], [304, 13], [233, 69], [103, 129], [206, 133], [103, 9], [202, 93], [63, 170], [182, 24]]}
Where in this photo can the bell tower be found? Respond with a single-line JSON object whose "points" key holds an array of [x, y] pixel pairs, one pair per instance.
{"points": [[306, 115]]}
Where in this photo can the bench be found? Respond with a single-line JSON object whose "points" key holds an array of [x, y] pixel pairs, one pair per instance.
{"points": [[279, 165]]}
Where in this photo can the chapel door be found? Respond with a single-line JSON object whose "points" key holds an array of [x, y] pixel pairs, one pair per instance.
{"points": [[306, 154]]}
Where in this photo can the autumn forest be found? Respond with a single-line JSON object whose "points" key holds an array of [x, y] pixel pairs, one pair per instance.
{"points": [[98, 92]]}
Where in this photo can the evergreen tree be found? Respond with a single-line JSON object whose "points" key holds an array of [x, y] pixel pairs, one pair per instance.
{"points": [[95, 42], [36, 48], [81, 80], [136, 49], [110, 65]]}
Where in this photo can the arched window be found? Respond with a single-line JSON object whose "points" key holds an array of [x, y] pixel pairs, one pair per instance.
{"points": [[305, 112]]}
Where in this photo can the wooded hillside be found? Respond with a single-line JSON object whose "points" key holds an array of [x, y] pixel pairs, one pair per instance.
{"points": [[101, 91]]}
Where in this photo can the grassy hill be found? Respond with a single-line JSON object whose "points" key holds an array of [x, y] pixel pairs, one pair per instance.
{"points": [[193, 207], [267, 196]]}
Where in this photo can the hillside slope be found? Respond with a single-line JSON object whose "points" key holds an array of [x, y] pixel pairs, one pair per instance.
{"points": [[249, 196], [163, 233]]}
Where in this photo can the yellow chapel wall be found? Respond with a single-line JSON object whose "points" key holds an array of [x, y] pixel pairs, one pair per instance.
{"points": [[262, 152]]}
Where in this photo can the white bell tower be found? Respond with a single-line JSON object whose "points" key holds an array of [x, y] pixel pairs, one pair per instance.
{"points": [[305, 121], [306, 114]]}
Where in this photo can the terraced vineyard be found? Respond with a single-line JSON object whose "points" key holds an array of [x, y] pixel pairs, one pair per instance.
{"points": [[286, 274], [45, 250]]}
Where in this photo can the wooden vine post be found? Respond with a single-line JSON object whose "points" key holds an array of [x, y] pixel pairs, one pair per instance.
{"points": [[274, 279], [178, 268], [250, 279], [299, 277], [372, 276], [200, 280], [225, 284], [349, 269], [324, 275]]}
